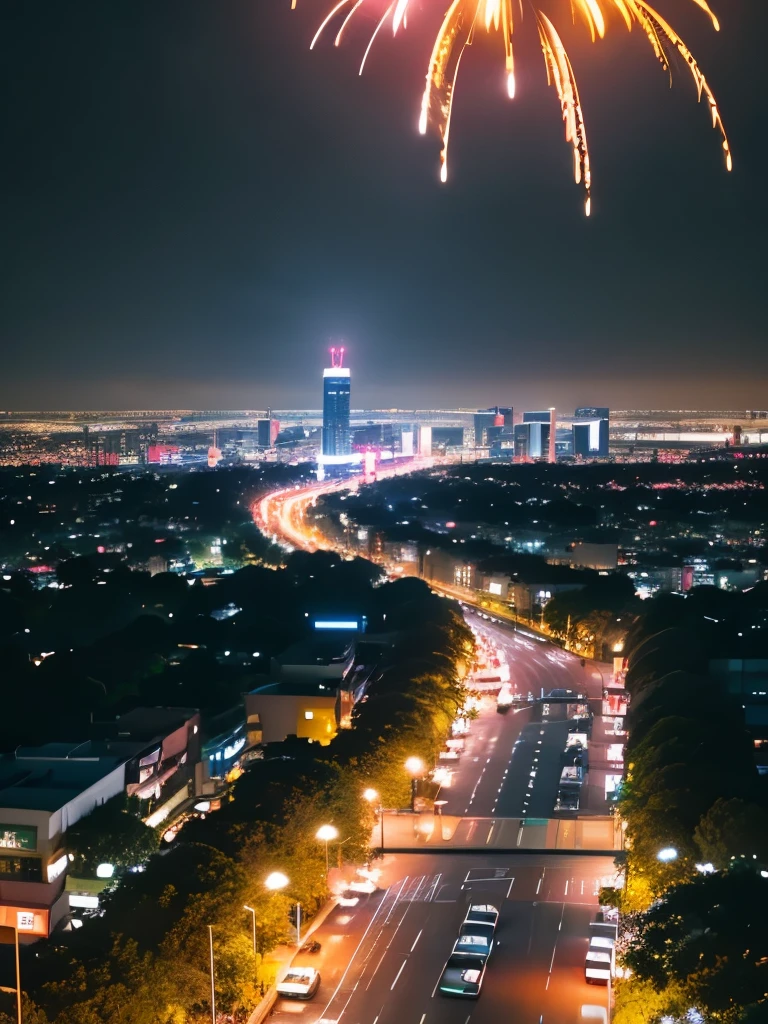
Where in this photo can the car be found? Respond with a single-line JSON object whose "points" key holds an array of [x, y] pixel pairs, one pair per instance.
{"points": [[482, 913], [364, 885], [348, 898], [462, 976], [299, 983], [474, 941]]}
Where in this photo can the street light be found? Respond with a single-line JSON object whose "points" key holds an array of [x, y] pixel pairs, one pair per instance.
{"points": [[325, 834], [415, 768], [370, 795], [277, 880], [252, 912], [669, 853]]}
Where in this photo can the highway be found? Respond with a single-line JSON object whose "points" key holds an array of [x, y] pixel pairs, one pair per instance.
{"points": [[380, 962]]}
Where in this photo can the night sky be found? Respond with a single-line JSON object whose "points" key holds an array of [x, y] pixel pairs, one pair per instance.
{"points": [[194, 206]]}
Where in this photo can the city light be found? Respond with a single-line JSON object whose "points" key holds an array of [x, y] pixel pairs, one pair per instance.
{"points": [[669, 853]]}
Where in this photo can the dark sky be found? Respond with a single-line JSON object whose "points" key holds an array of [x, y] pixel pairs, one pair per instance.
{"points": [[194, 205]]}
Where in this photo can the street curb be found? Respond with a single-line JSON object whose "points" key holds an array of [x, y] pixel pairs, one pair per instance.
{"points": [[264, 1008]]}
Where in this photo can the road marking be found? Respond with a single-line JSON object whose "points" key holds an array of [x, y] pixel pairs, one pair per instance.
{"points": [[519, 835], [509, 890], [416, 940], [398, 975], [566, 888], [375, 970], [436, 984], [490, 833], [423, 1018], [538, 887], [386, 920], [357, 950]]}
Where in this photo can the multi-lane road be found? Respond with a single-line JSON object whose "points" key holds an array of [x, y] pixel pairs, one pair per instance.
{"points": [[510, 766], [381, 961]]}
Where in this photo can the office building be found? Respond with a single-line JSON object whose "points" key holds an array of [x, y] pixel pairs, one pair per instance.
{"points": [[267, 431], [532, 435], [336, 387], [590, 433], [488, 419]]}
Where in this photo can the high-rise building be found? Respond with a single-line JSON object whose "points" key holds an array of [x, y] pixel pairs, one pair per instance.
{"points": [[336, 384], [484, 419], [532, 435], [590, 432], [267, 431]]}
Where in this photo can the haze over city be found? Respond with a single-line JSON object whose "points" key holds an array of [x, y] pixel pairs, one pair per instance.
{"points": [[195, 207], [384, 512]]}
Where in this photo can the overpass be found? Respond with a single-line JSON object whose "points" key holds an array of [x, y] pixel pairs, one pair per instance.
{"points": [[405, 832]]}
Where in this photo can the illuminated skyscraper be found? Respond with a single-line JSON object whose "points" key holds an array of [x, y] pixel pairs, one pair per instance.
{"points": [[590, 433], [336, 384]]}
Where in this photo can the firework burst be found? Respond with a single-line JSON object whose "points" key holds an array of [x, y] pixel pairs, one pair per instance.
{"points": [[466, 17]]}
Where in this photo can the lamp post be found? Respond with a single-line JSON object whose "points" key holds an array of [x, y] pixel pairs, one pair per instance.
{"points": [[325, 834], [415, 768], [213, 984], [252, 912], [371, 795]]}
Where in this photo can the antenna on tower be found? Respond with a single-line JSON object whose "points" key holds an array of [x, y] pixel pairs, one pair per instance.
{"points": [[337, 358]]}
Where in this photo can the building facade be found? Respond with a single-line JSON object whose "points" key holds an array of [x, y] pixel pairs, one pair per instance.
{"points": [[336, 389]]}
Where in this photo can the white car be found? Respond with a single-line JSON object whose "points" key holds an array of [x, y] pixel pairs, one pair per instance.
{"points": [[363, 885], [299, 983]]}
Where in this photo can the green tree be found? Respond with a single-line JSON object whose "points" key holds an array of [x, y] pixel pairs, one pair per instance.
{"points": [[112, 834], [733, 829]]}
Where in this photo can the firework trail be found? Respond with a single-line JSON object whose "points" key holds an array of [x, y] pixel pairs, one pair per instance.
{"points": [[465, 17]]}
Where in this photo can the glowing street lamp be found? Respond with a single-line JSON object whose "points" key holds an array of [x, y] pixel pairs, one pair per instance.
{"points": [[669, 853], [371, 795], [277, 880], [415, 768], [326, 833]]}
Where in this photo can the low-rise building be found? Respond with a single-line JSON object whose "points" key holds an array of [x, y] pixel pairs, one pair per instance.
{"points": [[43, 792]]}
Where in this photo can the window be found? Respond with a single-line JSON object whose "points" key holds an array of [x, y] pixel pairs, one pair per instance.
{"points": [[21, 869], [309, 715]]}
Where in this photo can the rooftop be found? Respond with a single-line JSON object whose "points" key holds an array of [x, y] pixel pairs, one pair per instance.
{"points": [[41, 784]]}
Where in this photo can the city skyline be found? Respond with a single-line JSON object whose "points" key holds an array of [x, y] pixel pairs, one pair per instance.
{"points": [[190, 219]]}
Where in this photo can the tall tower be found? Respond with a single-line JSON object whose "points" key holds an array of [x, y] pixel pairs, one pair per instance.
{"points": [[551, 455], [336, 384]]}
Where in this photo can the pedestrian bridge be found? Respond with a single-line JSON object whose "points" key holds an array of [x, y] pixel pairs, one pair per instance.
{"points": [[405, 831]]}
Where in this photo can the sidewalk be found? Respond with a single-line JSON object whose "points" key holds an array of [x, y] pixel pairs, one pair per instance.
{"points": [[280, 959]]}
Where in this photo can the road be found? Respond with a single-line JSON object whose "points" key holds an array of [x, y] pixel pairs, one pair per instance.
{"points": [[510, 766], [380, 962]]}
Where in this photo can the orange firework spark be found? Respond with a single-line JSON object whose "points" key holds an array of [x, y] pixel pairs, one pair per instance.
{"points": [[457, 31]]}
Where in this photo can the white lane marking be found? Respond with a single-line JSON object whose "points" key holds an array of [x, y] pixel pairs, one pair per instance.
{"points": [[375, 970], [509, 890], [400, 972], [490, 833], [433, 888], [423, 1018], [399, 891], [538, 887], [519, 835], [566, 888], [436, 984], [357, 950], [416, 940]]}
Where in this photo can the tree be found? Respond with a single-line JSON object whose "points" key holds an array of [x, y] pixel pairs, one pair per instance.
{"points": [[733, 829], [112, 834], [708, 938]]}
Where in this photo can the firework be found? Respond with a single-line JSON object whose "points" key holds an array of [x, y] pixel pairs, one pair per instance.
{"points": [[465, 17]]}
